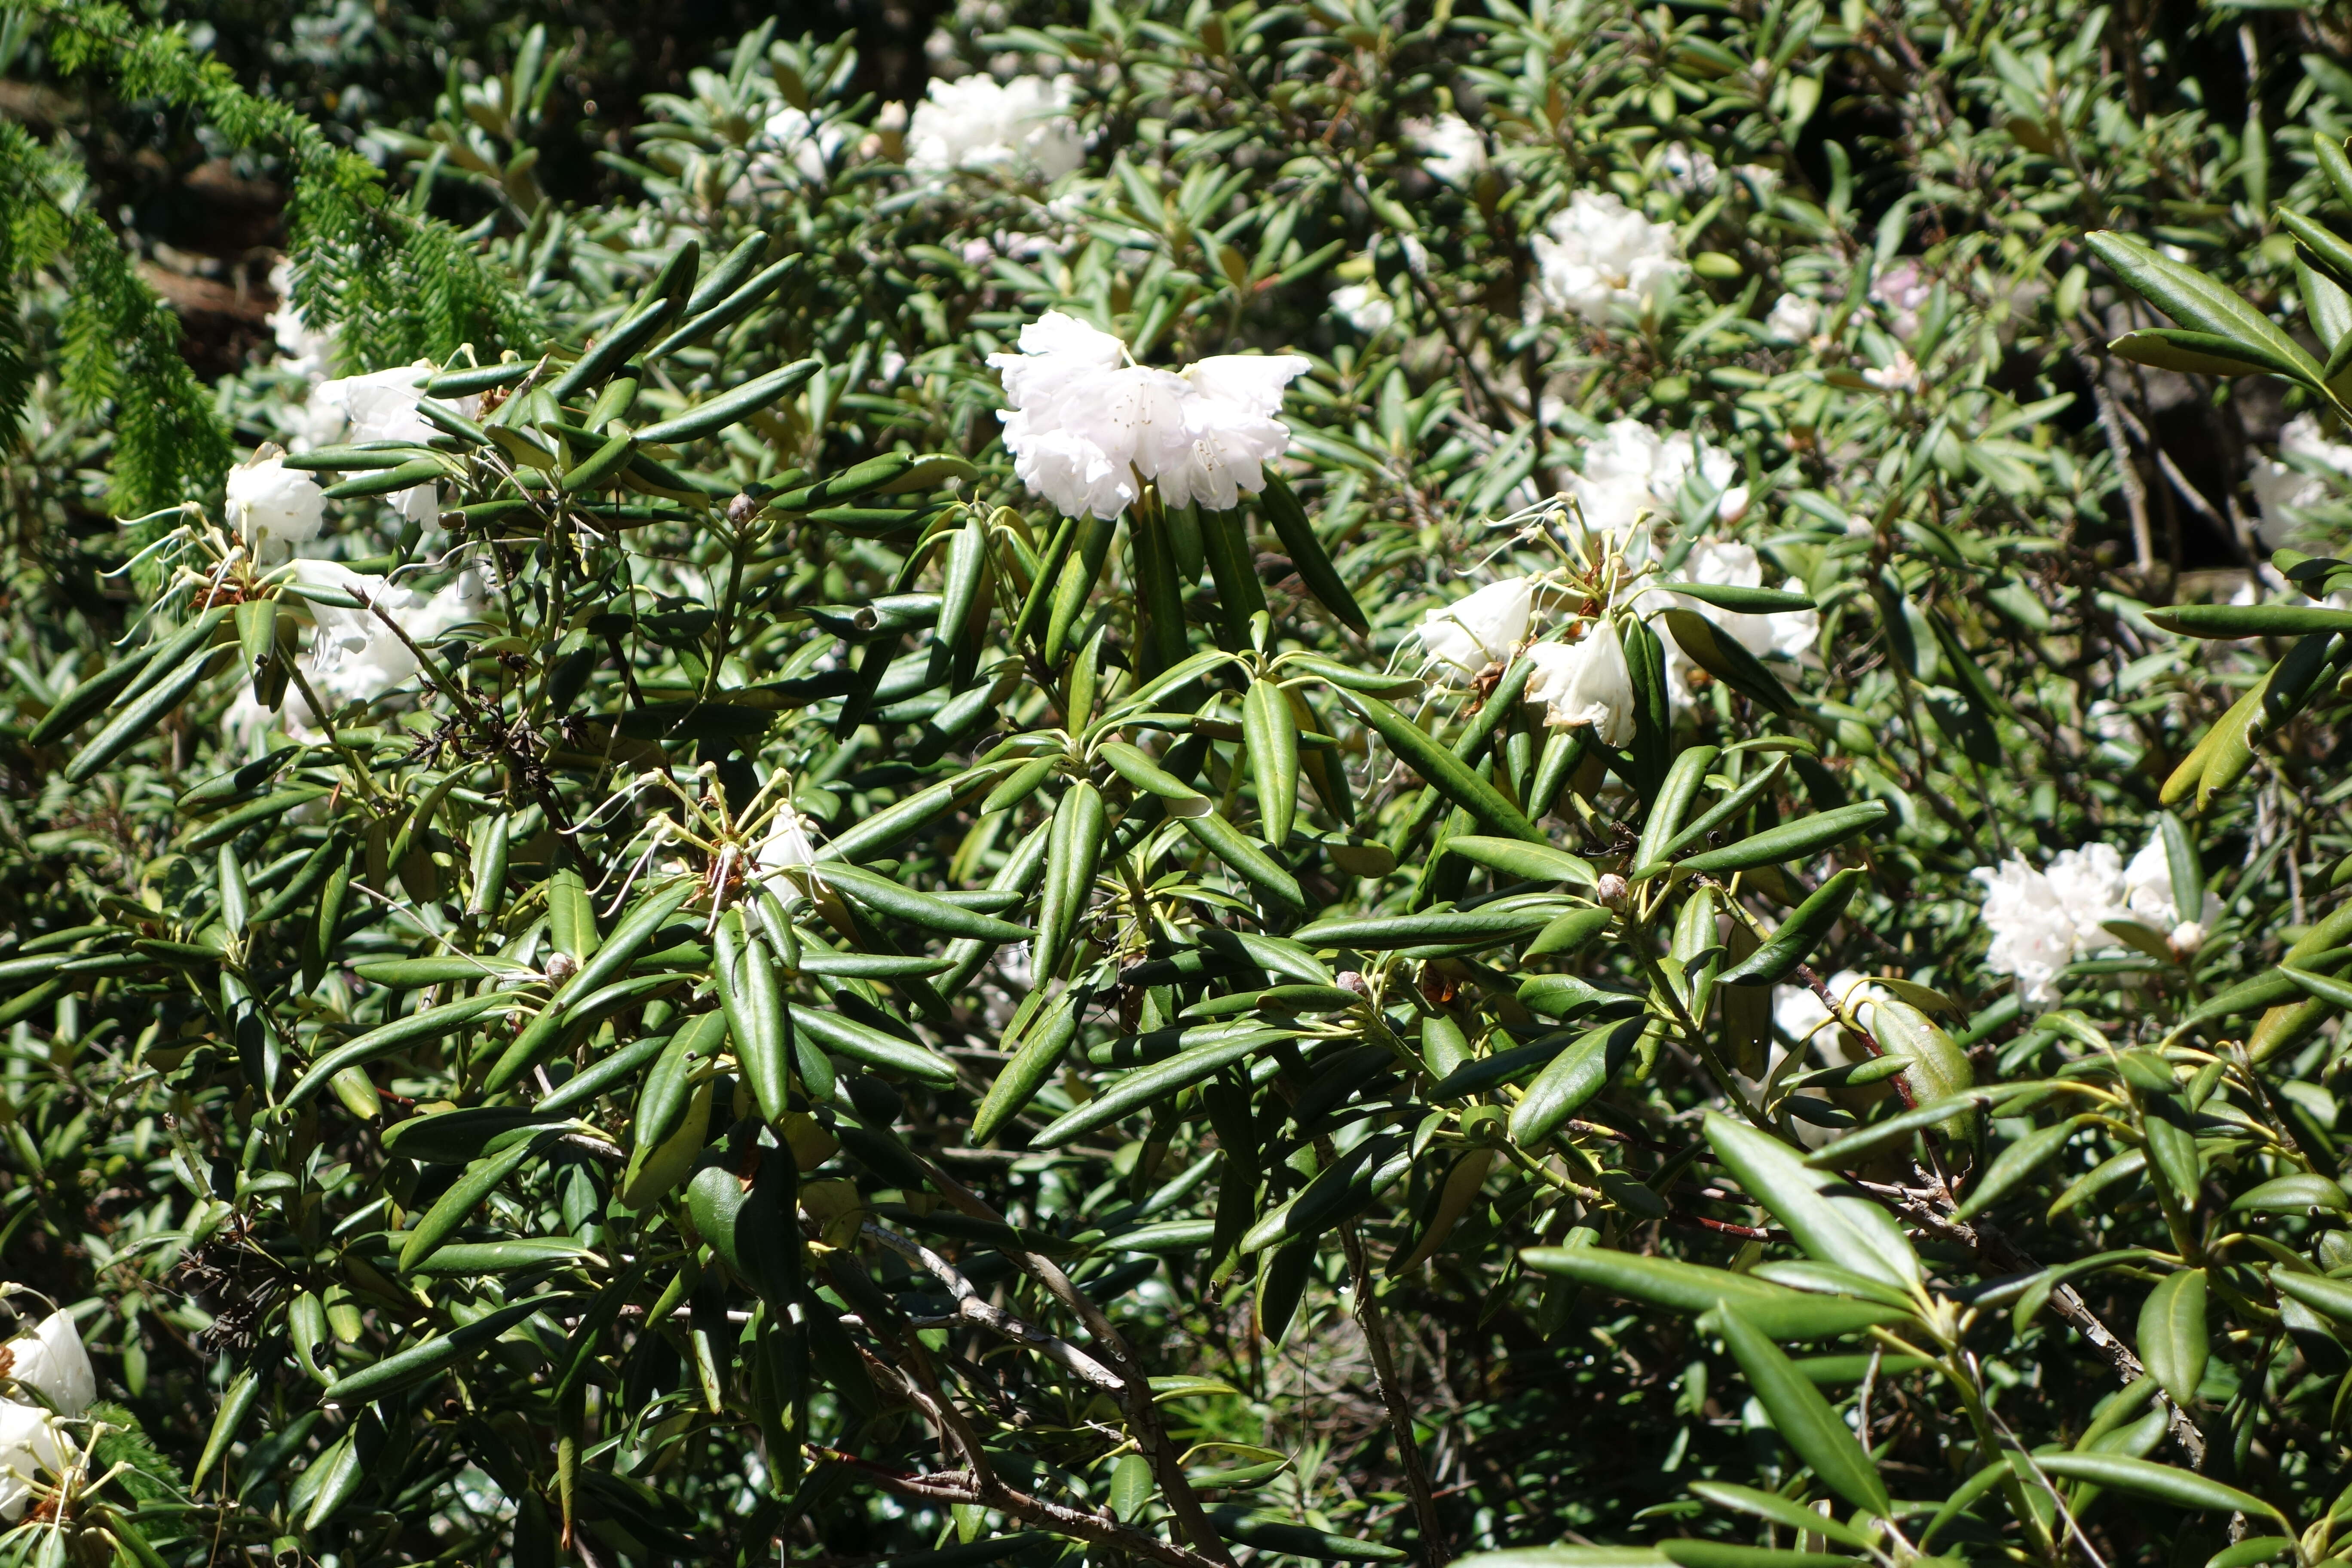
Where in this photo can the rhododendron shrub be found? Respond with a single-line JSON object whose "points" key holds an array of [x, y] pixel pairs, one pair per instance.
{"points": [[1364, 784]]}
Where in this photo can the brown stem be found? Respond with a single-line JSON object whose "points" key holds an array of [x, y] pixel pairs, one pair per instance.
{"points": [[1930, 1209], [962, 1487], [1385, 1379], [1135, 1393]]}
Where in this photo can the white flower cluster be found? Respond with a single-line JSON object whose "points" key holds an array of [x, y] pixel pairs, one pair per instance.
{"points": [[1900, 373], [49, 1361], [978, 122], [1486, 627], [1689, 171], [1600, 257], [1085, 429], [355, 655], [274, 507], [1900, 292], [1451, 148], [1587, 681], [1583, 682], [1783, 633], [2043, 921], [1632, 473], [2305, 473]]}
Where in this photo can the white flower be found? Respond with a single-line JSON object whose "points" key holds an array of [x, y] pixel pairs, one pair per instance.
{"points": [[1363, 306], [1732, 505], [1586, 682], [978, 122], [1601, 257], [795, 141], [1633, 472], [30, 1443], [1901, 375], [2033, 930], [378, 406], [787, 844], [1686, 171], [49, 1360], [1786, 634], [2148, 899], [2282, 489], [300, 350], [1800, 1013], [1793, 319], [1796, 1011], [1229, 415], [272, 507], [2088, 883], [354, 657], [1483, 628], [1083, 427], [1451, 148]]}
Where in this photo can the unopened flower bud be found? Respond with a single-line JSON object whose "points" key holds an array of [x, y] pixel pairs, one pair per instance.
{"points": [[562, 967], [742, 509], [1612, 891], [2187, 938]]}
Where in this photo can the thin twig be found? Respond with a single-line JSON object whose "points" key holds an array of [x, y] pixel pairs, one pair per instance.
{"points": [[969, 1305], [1384, 1380], [1930, 1209]]}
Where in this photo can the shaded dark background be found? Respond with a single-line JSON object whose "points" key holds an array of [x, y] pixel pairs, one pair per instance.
{"points": [[208, 226]]}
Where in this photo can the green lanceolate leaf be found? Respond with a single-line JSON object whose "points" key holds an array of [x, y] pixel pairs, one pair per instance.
{"points": [[1446, 928], [1134, 1090], [450, 1210], [2158, 1483], [1271, 737], [1795, 939], [1832, 1222], [2195, 301], [2172, 1334], [1803, 1418], [1691, 1288], [1724, 656], [1799, 840], [1281, 509], [1444, 772], [1574, 1076], [1783, 1511], [2204, 353], [2013, 1165], [1684, 780], [1527, 862], [437, 1353], [1071, 854], [2233, 621], [1267, 877], [417, 1028]]}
